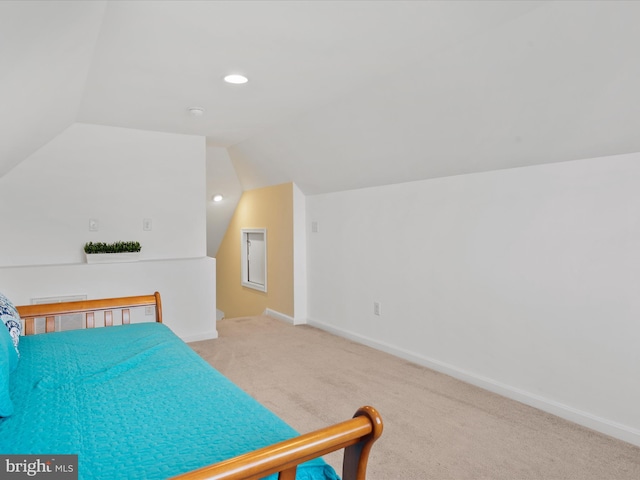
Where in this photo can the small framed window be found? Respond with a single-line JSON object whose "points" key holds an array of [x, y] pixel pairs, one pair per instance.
{"points": [[254, 258]]}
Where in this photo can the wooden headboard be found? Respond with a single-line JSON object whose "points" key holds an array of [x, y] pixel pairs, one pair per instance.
{"points": [[89, 308]]}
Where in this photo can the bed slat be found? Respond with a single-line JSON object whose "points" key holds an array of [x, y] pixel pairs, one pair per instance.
{"points": [[289, 474], [108, 318], [90, 321], [125, 316], [50, 325], [29, 326]]}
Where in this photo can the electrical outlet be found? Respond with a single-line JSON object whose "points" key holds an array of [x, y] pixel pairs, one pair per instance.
{"points": [[315, 228], [93, 225], [147, 224], [376, 308], [148, 310]]}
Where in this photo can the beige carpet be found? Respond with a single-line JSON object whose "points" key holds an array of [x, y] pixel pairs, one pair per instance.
{"points": [[435, 427]]}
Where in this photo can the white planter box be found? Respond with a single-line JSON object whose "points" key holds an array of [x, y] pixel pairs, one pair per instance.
{"points": [[112, 257]]}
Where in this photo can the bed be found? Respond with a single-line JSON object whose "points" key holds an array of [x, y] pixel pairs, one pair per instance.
{"points": [[134, 401]]}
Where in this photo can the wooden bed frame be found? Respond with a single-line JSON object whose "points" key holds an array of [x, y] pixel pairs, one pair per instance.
{"points": [[355, 436]]}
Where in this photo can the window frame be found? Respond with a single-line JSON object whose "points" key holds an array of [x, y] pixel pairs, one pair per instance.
{"points": [[244, 264]]}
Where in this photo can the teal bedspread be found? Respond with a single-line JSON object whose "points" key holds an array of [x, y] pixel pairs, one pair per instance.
{"points": [[133, 402]]}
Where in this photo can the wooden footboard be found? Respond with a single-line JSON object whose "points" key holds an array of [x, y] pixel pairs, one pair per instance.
{"points": [[355, 436], [89, 308]]}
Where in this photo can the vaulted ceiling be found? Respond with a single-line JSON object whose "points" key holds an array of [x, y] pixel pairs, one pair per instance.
{"points": [[341, 94]]}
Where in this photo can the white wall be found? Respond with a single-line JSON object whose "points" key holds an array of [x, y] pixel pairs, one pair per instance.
{"points": [[299, 257], [119, 176], [524, 281], [187, 288], [116, 175]]}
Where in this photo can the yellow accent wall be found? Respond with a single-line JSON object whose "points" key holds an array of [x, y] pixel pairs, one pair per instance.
{"points": [[270, 208]]}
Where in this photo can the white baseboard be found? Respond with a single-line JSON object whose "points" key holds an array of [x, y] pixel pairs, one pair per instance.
{"points": [[281, 316], [199, 336], [602, 425]]}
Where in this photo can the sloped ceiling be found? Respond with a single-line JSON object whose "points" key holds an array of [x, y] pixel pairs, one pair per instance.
{"points": [[341, 94], [45, 54]]}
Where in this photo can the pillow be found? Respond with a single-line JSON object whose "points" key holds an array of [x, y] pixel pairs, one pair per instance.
{"points": [[11, 319], [8, 363]]}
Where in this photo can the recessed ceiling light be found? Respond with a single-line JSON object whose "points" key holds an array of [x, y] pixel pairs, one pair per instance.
{"points": [[217, 197], [195, 111], [236, 79]]}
